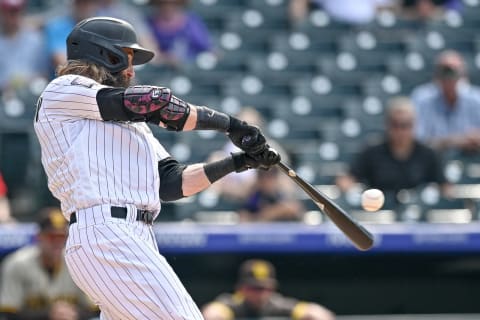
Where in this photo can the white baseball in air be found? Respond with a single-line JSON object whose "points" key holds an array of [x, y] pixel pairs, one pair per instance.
{"points": [[372, 199]]}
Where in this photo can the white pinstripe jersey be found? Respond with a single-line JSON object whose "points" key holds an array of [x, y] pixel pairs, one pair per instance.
{"points": [[89, 161]]}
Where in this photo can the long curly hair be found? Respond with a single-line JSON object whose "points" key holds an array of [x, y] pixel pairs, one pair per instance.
{"points": [[93, 71]]}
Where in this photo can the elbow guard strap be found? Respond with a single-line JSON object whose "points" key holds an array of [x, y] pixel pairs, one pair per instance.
{"points": [[156, 105]]}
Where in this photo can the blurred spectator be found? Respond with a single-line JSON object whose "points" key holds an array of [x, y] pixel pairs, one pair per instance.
{"points": [[58, 28], [21, 48], [35, 283], [5, 214], [268, 201], [245, 181], [181, 35], [256, 296], [352, 12], [448, 108], [428, 9], [399, 161], [125, 11]]}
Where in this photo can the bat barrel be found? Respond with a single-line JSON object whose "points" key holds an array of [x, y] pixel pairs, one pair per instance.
{"points": [[362, 239]]}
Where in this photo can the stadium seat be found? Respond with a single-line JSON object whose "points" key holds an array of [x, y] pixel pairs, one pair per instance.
{"points": [[350, 69], [379, 217], [430, 42], [310, 108], [223, 217], [471, 17], [302, 41], [321, 25], [461, 168], [17, 111], [185, 208], [412, 69], [197, 146], [374, 42], [457, 215], [153, 74], [213, 12], [275, 12], [248, 26], [319, 87], [277, 67], [388, 22], [384, 87], [254, 86]]}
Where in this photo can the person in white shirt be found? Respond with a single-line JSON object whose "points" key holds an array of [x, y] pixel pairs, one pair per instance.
{"points": [[352, 12]]}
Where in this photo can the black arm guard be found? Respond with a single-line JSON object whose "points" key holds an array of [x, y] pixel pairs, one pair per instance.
{"points": [[239, 162], [219, 169], [209, 119], [156, 105], [110, 105], [170, 172]]}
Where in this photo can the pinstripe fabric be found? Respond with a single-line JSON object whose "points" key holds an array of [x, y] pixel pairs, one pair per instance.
{"points": [[117, 263], [89, 161], [92, 165]]}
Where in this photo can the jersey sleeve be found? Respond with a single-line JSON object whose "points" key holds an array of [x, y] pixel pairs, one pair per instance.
{"points": [[161, 152], [11, 292], [69, 98]]}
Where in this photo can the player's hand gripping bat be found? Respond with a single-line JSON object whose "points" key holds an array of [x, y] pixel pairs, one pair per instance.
{"points": [[362, 239]]}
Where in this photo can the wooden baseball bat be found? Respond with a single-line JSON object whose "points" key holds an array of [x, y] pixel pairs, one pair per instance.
{"points": [[362, 239]]}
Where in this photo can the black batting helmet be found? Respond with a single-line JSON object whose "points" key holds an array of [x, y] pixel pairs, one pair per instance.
{"points": [[101, 39]]}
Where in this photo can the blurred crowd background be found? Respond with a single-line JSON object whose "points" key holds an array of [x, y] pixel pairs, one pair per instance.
{"points": [[317, 76], [354, 93]]}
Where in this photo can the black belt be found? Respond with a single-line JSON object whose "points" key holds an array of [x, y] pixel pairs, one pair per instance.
{"points": [[121, 212]]}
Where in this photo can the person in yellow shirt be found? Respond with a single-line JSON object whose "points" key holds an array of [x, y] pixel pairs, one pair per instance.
{"points": [[35, 283], [256, 296]]}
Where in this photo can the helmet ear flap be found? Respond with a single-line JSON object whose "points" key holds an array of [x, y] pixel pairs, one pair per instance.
{"points": [[99, 51], [113, 58]]}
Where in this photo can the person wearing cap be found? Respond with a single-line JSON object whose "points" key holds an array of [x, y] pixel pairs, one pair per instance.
{"points": [[448, 108], [35, 283], [256, 296], [24, 42]]}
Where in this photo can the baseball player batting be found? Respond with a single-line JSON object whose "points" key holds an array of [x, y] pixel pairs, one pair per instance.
{"points": [[110, 173]]}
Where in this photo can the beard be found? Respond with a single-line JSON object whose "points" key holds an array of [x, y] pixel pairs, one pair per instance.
{"points": [[118, 79]]}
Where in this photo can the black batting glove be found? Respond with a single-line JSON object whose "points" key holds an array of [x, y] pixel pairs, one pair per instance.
{"points": [[263, 160], [246, 137]]}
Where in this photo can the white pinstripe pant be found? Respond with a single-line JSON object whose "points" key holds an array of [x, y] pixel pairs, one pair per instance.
{"points": [[117, 264]]}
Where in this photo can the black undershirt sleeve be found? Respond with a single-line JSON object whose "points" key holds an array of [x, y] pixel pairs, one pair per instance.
{"points": [[171, 172], [110, 104]]}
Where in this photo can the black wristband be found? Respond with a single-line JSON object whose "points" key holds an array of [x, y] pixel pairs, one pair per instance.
{"points": [[209, 119], [219, 169]]}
